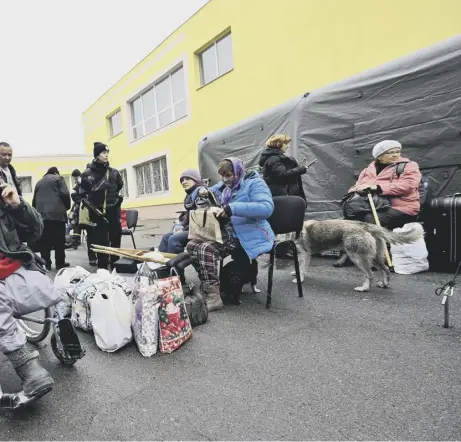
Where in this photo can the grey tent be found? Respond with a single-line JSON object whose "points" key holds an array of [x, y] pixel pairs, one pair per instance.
{"points": [[415, 99]]}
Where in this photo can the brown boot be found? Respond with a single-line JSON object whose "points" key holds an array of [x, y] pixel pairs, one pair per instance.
{"points": [[213, 296]]}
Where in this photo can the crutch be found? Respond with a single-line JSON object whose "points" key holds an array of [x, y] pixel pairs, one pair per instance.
{"points": [[375, 216]]}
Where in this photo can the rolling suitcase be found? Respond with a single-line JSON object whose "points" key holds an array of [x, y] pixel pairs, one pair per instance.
{"points": [[443, 233]]}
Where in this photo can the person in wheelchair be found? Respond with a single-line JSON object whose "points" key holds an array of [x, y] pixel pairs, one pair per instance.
{"points": [[400, 187], [24, 288]]}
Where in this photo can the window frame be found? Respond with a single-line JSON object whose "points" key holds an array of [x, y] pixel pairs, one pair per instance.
{"points": [[69, 181], [140, 166], [167, 76], [125, 188], [111, 127], [31, 183], [214, 44]]}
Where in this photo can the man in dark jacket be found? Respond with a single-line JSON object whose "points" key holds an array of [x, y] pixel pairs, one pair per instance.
{"points": [[7, 171], [52, 201], [20, 277], [281, 172], [101, 185]]}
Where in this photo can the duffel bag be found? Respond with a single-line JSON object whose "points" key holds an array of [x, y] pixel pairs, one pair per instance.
{"points": [[196, 307]]}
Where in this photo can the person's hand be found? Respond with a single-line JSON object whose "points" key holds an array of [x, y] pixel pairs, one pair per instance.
{"points": [[367, 187], [10, 195], [221, 214], [203, 192], [224, 212]]}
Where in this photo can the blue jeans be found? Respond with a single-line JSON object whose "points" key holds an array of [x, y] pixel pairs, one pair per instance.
{"points": [[174, 242]]}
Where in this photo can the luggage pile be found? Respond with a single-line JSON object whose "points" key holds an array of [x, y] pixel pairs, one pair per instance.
{"points": [[153, 311]]}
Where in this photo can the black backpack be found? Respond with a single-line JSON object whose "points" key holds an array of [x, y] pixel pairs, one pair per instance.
{"points": [[424, 189]]}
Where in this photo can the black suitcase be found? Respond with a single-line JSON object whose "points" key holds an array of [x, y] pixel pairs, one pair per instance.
{"points": [[443, 234]]}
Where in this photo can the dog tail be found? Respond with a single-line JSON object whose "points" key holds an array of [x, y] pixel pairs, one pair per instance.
{"points": [[413, 232]]}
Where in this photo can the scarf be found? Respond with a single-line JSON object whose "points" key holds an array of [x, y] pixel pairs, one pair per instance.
{"points": [[239, 175]]}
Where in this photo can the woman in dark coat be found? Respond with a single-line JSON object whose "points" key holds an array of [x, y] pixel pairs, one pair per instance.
{"points": [[281, 172]]}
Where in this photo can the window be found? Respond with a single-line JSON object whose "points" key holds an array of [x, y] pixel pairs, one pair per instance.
{"points": [[115, 124], [159, 105], [125, 193], [26, 183], [216, 60], [152, 177], [69, 182]]}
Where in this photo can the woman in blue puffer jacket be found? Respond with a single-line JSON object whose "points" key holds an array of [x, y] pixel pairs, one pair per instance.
{"points": [[247, 203]]}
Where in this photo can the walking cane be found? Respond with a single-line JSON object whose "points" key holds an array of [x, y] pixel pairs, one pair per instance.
{"points": [[375, 216]]}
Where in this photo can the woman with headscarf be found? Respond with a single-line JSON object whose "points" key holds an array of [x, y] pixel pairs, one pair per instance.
{"points": [[175, 242], [246, 204]]}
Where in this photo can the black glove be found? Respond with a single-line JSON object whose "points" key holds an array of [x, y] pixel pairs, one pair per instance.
{"points": [[301, 170]]}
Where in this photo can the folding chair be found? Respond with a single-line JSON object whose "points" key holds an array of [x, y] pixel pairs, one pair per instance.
{"points": [[129, 226], [288, 217]]}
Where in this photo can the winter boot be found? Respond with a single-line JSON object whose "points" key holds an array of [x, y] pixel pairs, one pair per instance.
{"points": [[36, 381], [213, 296]]}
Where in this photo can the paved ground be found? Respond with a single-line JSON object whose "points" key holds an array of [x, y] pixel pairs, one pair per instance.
{"points": [[334, 365]]}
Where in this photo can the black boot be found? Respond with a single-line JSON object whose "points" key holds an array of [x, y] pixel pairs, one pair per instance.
{"points": [[343, 261], [36, 381]]}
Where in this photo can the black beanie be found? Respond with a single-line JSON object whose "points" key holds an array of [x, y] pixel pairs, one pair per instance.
{"points": [[52, 171], [76, 173], [98, 148]]}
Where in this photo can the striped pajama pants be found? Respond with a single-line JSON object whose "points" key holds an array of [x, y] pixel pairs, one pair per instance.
{"points": [[209, 256]]}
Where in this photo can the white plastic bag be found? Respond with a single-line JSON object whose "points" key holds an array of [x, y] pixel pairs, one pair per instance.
{"points": [[65, 281], [111, 317], [409, 258], [68, 276]]}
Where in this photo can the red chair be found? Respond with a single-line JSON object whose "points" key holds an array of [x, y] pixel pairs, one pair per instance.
{"points": [[129, 220]]}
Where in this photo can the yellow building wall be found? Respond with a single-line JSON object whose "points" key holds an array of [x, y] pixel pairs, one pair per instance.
{"points": [[36, 167], [280, 49]]}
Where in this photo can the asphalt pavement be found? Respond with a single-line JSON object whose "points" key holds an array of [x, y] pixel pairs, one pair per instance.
{"points": [[334, 365]]}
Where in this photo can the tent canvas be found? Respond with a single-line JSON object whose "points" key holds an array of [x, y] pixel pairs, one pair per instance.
{"points": [[415, 99]]}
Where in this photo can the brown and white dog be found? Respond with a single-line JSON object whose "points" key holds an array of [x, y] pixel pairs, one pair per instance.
{"points": [[364, 243]]}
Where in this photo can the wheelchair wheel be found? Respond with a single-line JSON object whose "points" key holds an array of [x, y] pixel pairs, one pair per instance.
{"points": [[66, 360], [37, 332]]}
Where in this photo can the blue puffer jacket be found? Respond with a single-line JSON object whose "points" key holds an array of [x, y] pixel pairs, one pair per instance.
{"points": [[251, 204]]}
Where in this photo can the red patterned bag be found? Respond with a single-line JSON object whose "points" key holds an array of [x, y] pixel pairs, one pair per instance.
{"points": [[175, 327]]}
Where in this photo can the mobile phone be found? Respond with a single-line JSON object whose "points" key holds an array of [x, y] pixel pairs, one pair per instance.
{"points": [[311, 163]]}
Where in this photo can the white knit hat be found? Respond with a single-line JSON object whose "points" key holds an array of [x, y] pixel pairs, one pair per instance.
{"points": [[384, 146]]}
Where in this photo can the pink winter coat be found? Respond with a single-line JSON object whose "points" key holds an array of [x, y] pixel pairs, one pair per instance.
{"points": [[402, 191]]}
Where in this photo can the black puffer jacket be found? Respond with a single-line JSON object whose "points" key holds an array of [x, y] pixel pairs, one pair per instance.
{"points": [[99, 177], [281, 173]]}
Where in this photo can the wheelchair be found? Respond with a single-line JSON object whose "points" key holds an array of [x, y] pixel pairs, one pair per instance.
{"points": [[64, 341]]}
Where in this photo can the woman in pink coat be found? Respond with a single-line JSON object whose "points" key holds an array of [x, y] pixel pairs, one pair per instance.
{"points": [[402, 190]]}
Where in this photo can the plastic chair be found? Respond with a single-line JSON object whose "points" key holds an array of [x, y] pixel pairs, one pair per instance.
{"points": [[131, 217], [288, 217]]}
